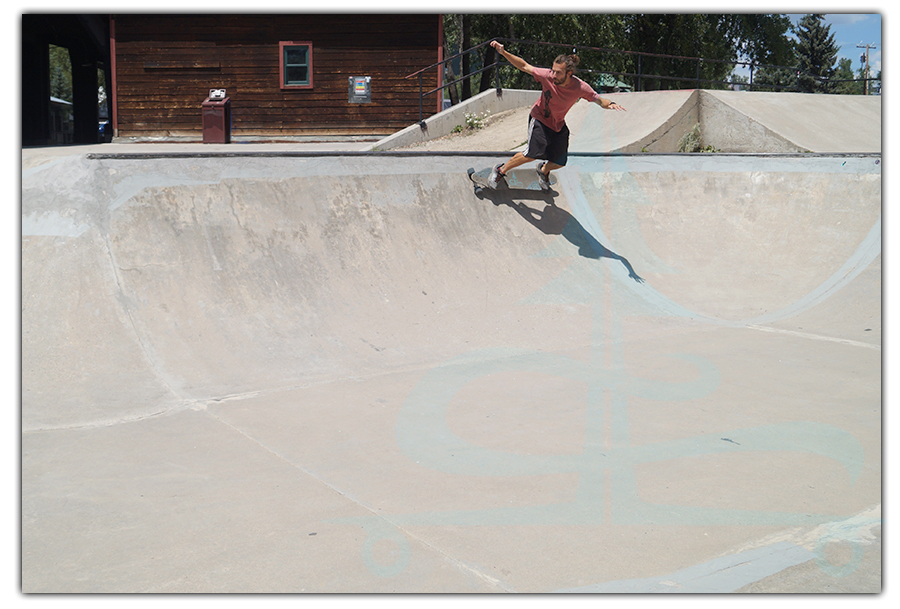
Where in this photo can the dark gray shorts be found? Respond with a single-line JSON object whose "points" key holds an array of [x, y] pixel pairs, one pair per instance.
{"points": [[547, 144]]}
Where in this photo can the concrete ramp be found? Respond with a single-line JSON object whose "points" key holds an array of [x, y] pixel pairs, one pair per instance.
{"points": [[733, 122], [250, 373], [754, 122], [653, 122]]}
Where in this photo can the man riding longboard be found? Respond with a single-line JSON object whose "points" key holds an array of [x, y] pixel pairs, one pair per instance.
{"points": [[548, 135]]}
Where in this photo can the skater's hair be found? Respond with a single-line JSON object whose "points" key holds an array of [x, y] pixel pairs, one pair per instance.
{"points": [[570, 61]]}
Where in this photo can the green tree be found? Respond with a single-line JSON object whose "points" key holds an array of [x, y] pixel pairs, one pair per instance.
{"points": [[723, 39], [564, 30], [610, 43], [760, 38], [60, 73], [816, 54], [845, 82], [773, 78], [672, 35]]}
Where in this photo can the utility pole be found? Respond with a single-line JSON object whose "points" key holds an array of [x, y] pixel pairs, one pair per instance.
{"points": [[867, 46]]}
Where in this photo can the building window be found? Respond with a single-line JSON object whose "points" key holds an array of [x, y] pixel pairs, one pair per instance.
{"points": [[296, 65]]}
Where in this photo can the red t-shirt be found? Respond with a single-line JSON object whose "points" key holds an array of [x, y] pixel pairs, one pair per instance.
{"points": [[555, 101]]}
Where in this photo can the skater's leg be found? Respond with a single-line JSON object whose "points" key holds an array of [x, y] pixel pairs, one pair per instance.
{"points": [[516, 161], [548, 167]]}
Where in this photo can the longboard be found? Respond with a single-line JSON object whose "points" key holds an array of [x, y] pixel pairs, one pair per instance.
{"points": [[517, 179]]}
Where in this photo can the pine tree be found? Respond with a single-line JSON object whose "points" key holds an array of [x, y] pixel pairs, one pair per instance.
{"points": [[846, 82], [60, 73], [816, 53]]}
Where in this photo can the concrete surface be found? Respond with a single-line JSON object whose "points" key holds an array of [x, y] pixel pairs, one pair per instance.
{"points": [[350, 374], [791, 122], [443, 123], [655, 122], [735, 121], [250, 369]]}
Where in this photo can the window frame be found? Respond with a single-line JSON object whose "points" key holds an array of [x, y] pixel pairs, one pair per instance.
{"points": [[282, 46]]}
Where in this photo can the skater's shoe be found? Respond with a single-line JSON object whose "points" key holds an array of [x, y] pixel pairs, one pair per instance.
{"points": [[496, 176], [543, 180]]}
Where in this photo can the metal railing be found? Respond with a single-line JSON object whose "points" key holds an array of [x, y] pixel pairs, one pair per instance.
{"points": [[440, 65], [638, 76]]}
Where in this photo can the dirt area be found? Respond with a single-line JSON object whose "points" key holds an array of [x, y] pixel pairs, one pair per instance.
{"points": [[503, 131]]}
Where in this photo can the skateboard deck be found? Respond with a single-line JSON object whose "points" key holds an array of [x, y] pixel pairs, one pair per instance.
{"points": [[517, 179]]}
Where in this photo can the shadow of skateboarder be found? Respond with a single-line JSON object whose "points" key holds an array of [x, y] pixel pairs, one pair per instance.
{"points": [[553, 220]]}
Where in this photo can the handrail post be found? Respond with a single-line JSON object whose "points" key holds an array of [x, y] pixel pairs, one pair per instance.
{"points": [[421, 121], [640, 86]]}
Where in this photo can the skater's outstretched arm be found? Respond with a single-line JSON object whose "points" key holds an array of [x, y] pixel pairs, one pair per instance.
{"points": [[608, 104], [517, 62]]}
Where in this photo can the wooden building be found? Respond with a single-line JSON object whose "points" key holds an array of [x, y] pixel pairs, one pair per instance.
{"points": [[285, 75]]}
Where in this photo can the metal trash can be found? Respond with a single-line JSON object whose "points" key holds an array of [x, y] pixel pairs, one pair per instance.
{"points": [[216, 120]]}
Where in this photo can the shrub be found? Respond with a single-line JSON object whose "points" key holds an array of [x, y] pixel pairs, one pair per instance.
{"points": [[690, 142]]}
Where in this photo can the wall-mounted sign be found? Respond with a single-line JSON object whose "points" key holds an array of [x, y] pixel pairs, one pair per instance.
{"points": [[360, 89]]}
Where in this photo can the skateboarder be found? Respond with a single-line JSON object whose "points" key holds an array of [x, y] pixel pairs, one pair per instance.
{"points": [[548, 135]]}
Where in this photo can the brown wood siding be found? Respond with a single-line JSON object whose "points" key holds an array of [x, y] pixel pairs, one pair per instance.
{"points": [[166, 64]]}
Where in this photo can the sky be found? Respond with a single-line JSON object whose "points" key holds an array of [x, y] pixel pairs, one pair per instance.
{"points": [[850, 30]]}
